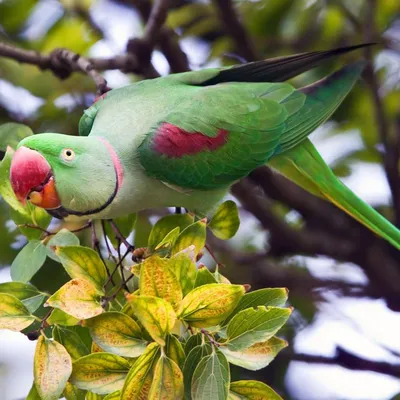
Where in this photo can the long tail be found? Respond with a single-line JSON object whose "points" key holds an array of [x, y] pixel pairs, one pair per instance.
{"points": [[297, 158]]}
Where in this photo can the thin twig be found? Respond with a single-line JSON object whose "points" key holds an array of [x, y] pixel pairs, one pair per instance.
{"points": [[156, 20], [119, 235]]}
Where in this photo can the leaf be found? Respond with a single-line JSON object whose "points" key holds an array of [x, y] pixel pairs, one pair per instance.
{"points": [[28, 261], [185, 271], [196, 354], [275, 297], [78, 298], [59, 317], [193, 341], [257, 356], [101, 373], [12, 133], [138, 382], [252, 390], [52, 368], [117, 333], [13, 314], [165, 225], [204, 277], [71, 341], [33, 394], [194, 234], [210, 304], [113, 396], [167, 381], [28, 294], [157, 280], [93, 396], [225, 222], [155, 314], [211, 378], [71, 392], [84, 263], [174, 350], [63, 238], [255, 325]]}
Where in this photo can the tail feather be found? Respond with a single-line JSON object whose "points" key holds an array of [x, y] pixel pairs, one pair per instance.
{"points": [[304, 166]]}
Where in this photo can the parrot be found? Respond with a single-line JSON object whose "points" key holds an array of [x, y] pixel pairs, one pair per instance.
{"points": [[184, 139]]}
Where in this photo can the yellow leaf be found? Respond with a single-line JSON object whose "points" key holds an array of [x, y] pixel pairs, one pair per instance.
{"points": [[113, 396], [252, 390], [13, 314], [167, 381], [157, 280], [101, 373], [194, 234], [210, 304], [52, 368], [83, 263], [185, 271], [138, 382], [225, 222], [78, 298], [71, 392], [117, 333], [155, 314]]}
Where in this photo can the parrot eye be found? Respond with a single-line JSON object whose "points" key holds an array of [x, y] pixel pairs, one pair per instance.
{"points": [[68, 155]]}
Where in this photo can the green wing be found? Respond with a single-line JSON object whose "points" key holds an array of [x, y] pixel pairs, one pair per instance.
{"points": [[218, 134]]}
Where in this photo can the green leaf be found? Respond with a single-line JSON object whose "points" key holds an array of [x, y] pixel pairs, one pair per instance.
{"points": [[169, 240], [28, 294], [252, 390], [101, 373], [210, 304], [117, 333], [225, 222], [84, 263], [28, 261], [167, 381], [52, 368], [12, 133], [59, 317], [71, 341], [157, 280], [63, 238], [113, 396], [257, 356], [71, 392], [33, 394], [196, 354], [13, 314], [194, 234], [185, 271], [165, 225], [174, 350], [193, 341], [269, 297], [155, 314], [78, 298], [93, 396], [138, 382], [204, 277], [255, 325], [211, 378]]}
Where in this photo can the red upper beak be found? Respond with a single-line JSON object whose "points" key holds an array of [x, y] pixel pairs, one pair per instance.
{"points": [[29, 171]]}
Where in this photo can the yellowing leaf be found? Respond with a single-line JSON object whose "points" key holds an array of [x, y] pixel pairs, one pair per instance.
{"points": [[210, 304], [167, 381], [71, 392], [174, 350], [83, 263], [252, 390], [28, 294], [255, 325], [204, 277], [52, 368], [194, 234], [155, 314], [101, 373], [78, 298], [225, 222], [63, 238], [169, 240], [117, 333], [59, 317], [257, 356], [185, 271], [13, 314], [138, 382], [113, 396], [157, 280], [71, 341]]}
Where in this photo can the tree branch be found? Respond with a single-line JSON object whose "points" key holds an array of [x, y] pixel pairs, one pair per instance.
{"points": [[155, 21]]}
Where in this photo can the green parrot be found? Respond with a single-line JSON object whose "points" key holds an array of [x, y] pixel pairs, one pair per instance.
{"points": [[184, 139]]}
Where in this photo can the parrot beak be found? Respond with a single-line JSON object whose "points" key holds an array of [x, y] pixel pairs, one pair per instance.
{"points": [[32, 179]]}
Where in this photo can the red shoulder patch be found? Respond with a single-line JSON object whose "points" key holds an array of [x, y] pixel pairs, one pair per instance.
{"points": [[175, 142]]}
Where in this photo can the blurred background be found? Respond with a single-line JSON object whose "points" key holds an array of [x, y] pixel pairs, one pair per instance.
{"points": [[344, 282]]}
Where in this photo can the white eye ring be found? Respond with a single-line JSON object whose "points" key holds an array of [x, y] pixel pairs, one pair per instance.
{"points": [[68, 154]]}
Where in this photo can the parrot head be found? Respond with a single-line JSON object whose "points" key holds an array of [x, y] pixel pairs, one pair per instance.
{"points": [[66, 175]]}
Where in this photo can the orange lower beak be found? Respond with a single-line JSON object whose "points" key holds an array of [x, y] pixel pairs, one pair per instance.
{"points": [[31, 178]]}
